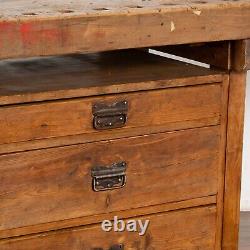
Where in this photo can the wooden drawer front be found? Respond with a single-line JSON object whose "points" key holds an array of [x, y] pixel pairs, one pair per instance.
{"points": [[56, 184], [175, 108], [190, 229]]}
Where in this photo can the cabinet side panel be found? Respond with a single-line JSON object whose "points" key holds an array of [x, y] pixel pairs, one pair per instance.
{"points": [[236, 106]]}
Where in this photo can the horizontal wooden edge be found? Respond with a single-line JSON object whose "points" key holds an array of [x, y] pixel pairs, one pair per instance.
{"points": [[52, 14], [112, 89], [84, 221], [89, 138], [40, 36]]}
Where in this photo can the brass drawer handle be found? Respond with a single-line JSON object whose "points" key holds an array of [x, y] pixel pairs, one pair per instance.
{"points": [[109, 177], [109, 116]]}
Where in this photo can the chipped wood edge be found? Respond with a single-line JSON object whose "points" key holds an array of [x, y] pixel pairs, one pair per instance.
{"points": [[55, 36], [241, 55]]}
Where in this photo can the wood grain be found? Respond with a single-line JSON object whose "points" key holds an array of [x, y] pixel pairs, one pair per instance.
{"points": [[55, 184], [165, 233], [88, 220], [233, 160], [61, 27], [51, 78], [241, 55], [221, 168], [146, 109]]}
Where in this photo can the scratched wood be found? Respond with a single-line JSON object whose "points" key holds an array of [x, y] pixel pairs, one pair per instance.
{"points": [[56, 184], [165, 232], [241, 55], [88, 220], [58, 27]]}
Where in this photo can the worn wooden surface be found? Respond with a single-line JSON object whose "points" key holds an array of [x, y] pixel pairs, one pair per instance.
{"points": [[221, 167], [174, 108], [241, 55], [50, 78], [56, 184], [88, 220], [59, 27], [233, 160], [165, 233]]}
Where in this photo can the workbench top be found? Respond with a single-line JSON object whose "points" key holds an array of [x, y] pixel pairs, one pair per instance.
{"points": [[20, 9], [34, 28]]}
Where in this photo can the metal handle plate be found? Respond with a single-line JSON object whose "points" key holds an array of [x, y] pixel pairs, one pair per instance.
{"points": [[109, 177], [117, 247], [110, 115]]}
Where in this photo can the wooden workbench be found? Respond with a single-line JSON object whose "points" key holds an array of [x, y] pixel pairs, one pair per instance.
{"points": [[80, 89], [57, 27]]}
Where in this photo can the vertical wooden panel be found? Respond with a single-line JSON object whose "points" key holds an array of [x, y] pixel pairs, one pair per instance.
{"points": [[248, 54], [221, 168], [233, 160], [241, 55]]}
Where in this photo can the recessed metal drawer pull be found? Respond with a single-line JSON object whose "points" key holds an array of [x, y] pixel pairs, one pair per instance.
{"points": [[117, 247], [108, 116], [109, 177]]}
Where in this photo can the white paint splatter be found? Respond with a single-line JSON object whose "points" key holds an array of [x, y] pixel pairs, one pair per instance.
{"points": [[172, 26], [197, 12]]}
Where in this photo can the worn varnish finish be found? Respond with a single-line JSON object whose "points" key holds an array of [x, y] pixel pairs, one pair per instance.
{"points": [[233, 160], [64, 77], [56, 184], [182, 141], [73, 117], [241, 55], [88, 220], [60, 27], [165, 233]]}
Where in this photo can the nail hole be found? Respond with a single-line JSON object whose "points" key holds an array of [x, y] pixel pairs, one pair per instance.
{"points": [[135, 6], [66, 11], [29, 14], [199, 1], [101, 9]]}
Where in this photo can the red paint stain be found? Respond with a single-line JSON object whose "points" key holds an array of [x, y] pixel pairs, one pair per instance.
{"points": [[36, 34], [25, 28], [51, 34], [7, 33], [5, 26], [28, 35]]}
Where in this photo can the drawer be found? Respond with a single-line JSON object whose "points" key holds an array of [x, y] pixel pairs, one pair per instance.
{"points": [[56, 184], [190, 229], [153, 111]]}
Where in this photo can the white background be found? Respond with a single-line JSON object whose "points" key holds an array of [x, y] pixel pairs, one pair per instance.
{"points": [[245, 193]]}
